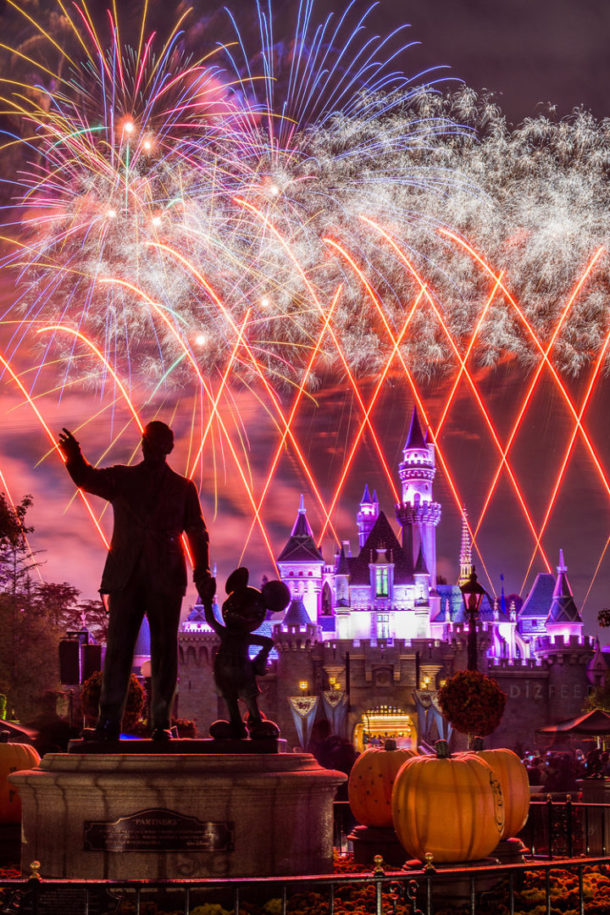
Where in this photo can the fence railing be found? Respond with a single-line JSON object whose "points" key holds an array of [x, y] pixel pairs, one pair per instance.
{"points": [[566, 869], [517, 889]]}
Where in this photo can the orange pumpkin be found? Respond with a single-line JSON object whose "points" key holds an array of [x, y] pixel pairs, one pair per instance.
{"points": [[449, 807], [370, 783], [13, 758], [512, 775]]}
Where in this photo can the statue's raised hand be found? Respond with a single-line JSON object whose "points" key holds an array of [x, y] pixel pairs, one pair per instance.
{"points": [[68, 445]]}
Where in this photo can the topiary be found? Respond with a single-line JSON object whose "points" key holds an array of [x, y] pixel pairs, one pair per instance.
{"points": [[472, 702]]}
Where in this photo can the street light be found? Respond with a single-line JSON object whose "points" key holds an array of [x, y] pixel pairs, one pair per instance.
{"points": [[472, 595], [304, 687]]}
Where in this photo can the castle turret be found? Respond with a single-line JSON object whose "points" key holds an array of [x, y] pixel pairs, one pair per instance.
{"points": [[301, 563], [421, 604], [417, 513], [564, 617], [368, 514], [341, 572]]}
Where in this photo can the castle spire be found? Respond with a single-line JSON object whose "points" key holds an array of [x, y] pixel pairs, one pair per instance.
{"points": [[465, 550], [563, 609], [368, 514], [415, 438], [301, 545]]}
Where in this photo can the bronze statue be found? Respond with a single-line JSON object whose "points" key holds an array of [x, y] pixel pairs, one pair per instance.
{"points": [[145, 571], [234, 673]]}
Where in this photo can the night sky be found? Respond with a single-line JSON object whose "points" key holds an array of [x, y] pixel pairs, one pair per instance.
{"points": [[529, 55]]}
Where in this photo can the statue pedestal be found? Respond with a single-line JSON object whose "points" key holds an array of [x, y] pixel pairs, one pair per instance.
{"points": [[158, 815]]}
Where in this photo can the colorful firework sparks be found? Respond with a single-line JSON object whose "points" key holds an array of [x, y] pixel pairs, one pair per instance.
{"points": [[182, 221], [137, 160]]}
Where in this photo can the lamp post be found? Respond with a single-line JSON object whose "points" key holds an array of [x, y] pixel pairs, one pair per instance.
{"points": [[472, 595]]}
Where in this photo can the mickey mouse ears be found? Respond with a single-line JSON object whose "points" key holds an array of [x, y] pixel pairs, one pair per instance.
{"points": [[276, 596], [237, 580]]}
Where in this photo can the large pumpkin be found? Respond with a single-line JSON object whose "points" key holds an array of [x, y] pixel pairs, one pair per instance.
{"points": [[13, 758], [370, 783], [449, 807], [512, 775]]}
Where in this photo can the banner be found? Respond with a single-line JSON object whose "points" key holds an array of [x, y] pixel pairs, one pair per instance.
{"points": [[303, 710], [429, 714], [335, 708]]}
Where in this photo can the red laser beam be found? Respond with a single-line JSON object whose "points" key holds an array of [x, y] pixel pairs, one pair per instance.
{"points": [[51, 438], [475, 391], [408, 375], [260, 215], [544, 361]]}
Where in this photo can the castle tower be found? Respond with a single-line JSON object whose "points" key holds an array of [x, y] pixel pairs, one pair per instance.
{"points": [[564, 617], [417, 513], [301, 563], [465, 550], [422, 601], [368, 514], [341, 572]]}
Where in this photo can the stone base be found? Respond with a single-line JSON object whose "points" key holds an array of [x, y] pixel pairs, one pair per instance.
{"points": [[122, 816], [185, 746], [368, 841]]}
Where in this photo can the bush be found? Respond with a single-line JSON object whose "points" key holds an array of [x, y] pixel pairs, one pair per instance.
{"points": [[136, 700]]}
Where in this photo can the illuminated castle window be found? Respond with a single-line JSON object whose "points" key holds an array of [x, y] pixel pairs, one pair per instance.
{"points": [[383, 625], [381, 581]]}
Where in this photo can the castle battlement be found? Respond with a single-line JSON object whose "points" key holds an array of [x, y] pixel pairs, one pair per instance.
{"points": [[515, 664], [423, 513], [554, 643], [296, 638], [197, 632], [372, 645], [461, 629]]}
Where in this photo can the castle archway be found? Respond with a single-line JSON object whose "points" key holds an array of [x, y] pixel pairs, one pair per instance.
{"points": [[383, 723]]}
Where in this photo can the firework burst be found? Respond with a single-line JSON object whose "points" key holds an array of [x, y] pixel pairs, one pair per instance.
{"points": [[154, 184], [195, 210]]}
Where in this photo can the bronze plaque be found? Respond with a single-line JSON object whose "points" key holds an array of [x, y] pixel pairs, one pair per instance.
{"points": [[158, 830]]}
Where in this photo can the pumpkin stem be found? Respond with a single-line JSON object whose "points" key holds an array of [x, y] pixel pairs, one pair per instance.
{"points": [[389, 744], [475, 743], [442, 749]]}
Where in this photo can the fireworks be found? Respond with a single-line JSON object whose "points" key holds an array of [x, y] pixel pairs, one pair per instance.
{"points": [[201, 207], [149, 175]]}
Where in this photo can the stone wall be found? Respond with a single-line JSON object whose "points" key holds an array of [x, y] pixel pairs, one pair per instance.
{"points": [[197, 699], [526, 686], [538, 692]]}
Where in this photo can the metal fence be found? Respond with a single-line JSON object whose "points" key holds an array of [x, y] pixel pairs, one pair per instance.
{"points": [[566, 870], [539, 887]]}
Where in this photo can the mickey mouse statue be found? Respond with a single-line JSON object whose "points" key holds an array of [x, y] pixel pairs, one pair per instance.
{"points": [[234, 673]]}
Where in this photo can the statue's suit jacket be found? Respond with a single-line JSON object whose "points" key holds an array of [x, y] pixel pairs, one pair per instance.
{"points": [[152, 506]]}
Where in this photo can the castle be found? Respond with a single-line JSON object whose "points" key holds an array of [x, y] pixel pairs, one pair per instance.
{"points": [[367, 639]]}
